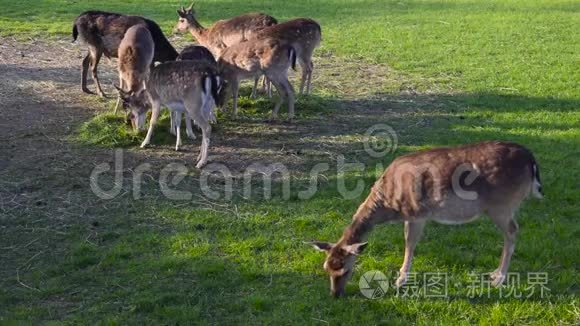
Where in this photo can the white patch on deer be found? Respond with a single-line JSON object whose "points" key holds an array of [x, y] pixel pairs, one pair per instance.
{"points": [[536, 186]]}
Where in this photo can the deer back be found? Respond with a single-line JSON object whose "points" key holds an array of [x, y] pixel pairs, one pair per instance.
{"points": [[197, 53], [253, 56], [481, 175], [135, 56], [303, 32], [105, 30], [174, 81]]}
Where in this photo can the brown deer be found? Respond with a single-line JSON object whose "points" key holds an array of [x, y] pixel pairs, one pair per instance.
{"points": [[253, 58], [447, 185], [103, 32], [182, 86], [304, 35], [223, 33], [135, 58]]}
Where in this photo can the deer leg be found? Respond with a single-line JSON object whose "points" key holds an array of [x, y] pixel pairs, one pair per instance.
{"points": [[413, 232], [305, 68], [172, 123], [205, 134], [289, 90], [94, 64], [235, 88], [178, 142], [268, 86], [281, 93], [121, 86], [155, 107], [255, 89], [309, 81], [188, 128], [84, 71], [506, 223]]}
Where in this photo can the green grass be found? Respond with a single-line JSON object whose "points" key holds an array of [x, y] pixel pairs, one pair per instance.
{"points": [[459, 72]]}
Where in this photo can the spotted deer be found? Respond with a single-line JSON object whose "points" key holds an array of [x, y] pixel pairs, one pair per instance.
{"points": [[183, 87], [223, 33], [446, 185], [103, 31], [304, 35], [135, 58], [199, 54], [253, 58]]}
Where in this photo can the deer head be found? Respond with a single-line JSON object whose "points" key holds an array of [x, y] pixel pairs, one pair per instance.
{"points": [[136, 106], [339, 263], [186, 19]]}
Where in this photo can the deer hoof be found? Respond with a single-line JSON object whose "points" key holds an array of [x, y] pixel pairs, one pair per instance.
{"points": [[497, 279], [401, 281], [87, 91]]}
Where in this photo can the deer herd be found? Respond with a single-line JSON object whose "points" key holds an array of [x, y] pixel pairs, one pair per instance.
{"points": [[414, 189]]}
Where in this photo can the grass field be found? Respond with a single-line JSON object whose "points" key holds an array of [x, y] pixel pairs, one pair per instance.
{"points": [[437, 72]]}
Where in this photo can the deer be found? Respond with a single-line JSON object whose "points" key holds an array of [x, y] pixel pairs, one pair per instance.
{"points": [[199, 54], [223, 33], [453, 185], [103, 31], [253, 58], [182, 86], [135, 58], [304, 34]]}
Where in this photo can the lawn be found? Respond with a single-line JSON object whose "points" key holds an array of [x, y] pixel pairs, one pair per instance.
{"points": [[437, 72]]}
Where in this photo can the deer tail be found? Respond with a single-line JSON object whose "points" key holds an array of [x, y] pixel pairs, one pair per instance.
{"points": [[75, 32], [292, 57], [536, 182]]}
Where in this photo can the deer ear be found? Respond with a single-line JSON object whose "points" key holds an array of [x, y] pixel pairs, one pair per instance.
{"points": [[356, 248], [189, 9], [321, 246]]}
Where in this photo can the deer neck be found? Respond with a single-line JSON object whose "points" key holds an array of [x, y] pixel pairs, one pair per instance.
{"points": [[371, 212], [197, 31]]}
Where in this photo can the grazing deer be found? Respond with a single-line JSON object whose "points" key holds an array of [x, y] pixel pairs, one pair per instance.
{"points": [[447, 185], [103, 32], [182, 86], [253, 58], [196, 53], [304, 35], [223, 33], [135, 59]]}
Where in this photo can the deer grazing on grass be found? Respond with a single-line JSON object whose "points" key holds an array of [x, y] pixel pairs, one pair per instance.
{"points": [[257, 57], [103, 32], [304, 35], [447, 185], [182, 86], [135, 59], [223, 33]]}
